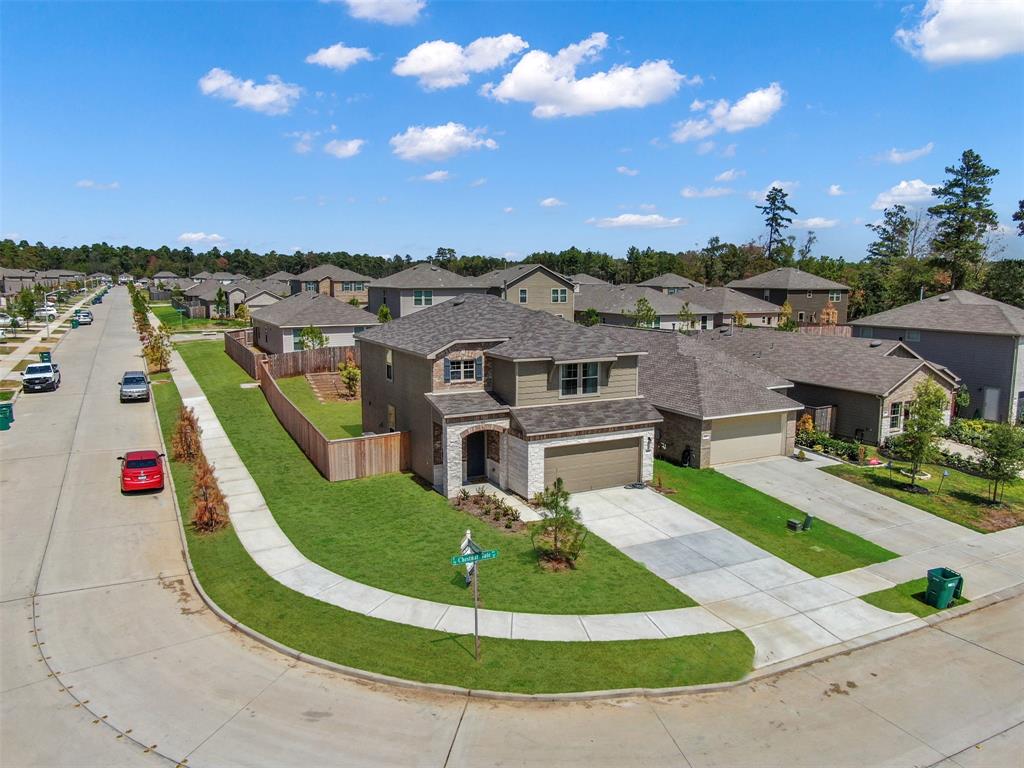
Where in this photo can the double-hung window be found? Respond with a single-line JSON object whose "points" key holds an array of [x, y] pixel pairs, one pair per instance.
{"points": [[389, 366], [579, 379], [524, 295], [704, 325], [463, 370], [559, 296], [835, 296], [311, 286], [810, 294], [423, 298], [766, 294], [912, 335], [895, 416], [297, 344]]}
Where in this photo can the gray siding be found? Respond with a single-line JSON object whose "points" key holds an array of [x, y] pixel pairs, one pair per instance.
{"points": [[854, 410], [503, 375], [539, 382], [811, 305]]}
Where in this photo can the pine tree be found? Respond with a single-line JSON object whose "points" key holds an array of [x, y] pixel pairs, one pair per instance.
{"points": [[775, 219], [963, 218]]}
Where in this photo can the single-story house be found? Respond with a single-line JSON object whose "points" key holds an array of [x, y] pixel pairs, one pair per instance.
{"points": [[276, 328], [616, 305], [980, 338], [810, 296], [491, 391], [13, 282], [330, 280], [252, 293], [716, 408], [869, 384]]}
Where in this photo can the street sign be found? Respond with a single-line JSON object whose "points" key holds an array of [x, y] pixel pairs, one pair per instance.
{"points": [[44, 357], [474, 557]]}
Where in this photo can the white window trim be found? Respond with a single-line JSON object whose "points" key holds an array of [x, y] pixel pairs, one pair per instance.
{"points": [[389, 365], [835, 296], [462, 365], [524, 295], [579, 380], [559, 295], [423, 298], [899, 416]]}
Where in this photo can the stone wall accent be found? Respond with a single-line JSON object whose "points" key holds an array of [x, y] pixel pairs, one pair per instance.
{"points": [[677, 432], [454, 465], [536, 448]]}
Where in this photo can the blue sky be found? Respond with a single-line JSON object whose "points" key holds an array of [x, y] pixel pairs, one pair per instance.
{"points": [[133, 123]]}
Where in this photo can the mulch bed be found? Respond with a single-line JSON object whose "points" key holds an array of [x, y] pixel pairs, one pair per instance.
{"points": [[491, 509]]}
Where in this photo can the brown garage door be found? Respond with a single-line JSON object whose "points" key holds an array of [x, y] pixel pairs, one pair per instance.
{"points": [[593, 465]]}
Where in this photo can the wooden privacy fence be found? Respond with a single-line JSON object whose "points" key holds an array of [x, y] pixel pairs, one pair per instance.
{"points": [[826, 330], [310, 361], [238, 345], [343, 459]]}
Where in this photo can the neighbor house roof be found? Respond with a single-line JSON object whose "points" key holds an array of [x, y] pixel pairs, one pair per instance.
{"points": [[727, 301], [305, 309], [594, 414], [164, 273], [15, 273], [790, 279], [622, 299], [869, 366], [670, 280], [207, 289], [280, 275], [338, 274], [582, 278], [683, 376], [476, 403], [959, 311], [519, 333], [501, 277], [204, 275], [425, 276]]}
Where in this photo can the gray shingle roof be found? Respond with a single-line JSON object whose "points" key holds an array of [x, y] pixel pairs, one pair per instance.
{"points": [[859, 365], [790, 279], [333, 272], [584, 279], [670, 280], [280, 275], [726, 301], [472, 403], [622, 299], [306, 308], [499, 277], [594, 414], [960, 311], [425, 276], [683, 376]]}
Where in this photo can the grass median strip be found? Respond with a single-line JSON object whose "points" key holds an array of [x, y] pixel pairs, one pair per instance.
{"points": [[907, 597], [761, 519], [335, 420], [395, 533], [247, 593]]}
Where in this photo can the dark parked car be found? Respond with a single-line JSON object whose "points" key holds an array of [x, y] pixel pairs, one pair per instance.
{"points": [[133, 386]]}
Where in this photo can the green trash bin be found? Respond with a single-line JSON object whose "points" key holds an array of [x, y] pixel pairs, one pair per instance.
{"points": [[74, 322], [944, 586]]}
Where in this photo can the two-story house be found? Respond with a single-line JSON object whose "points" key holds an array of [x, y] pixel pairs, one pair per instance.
{"points": [[491, 391], [616, 305], [533, 286], [331, 280], [670, 283], [724, 305], [979, 338], [811, 297], [418, 287]]}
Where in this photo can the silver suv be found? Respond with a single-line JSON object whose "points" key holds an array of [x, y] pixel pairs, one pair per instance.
{"points": [[134, 386]]}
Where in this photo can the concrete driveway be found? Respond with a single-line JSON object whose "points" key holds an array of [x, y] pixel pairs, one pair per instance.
{"points": [[785, 611]]}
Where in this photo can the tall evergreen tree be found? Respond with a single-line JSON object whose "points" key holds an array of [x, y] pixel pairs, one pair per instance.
{"points": [[963, 218], [1018, 216], [709, 259], [774, 211]]}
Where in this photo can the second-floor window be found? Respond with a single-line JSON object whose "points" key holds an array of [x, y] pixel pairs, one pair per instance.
{"points": [[523, 295], [352, 287], [559, 296], [311, 286], [423, 298], [767, 294], [462, 370], [912, 336], [389, 366], [835, 296], [579, 379]]}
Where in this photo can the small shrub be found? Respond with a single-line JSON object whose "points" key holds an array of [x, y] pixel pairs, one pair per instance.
{"points": [[185, 443], [802, 455], [209, 510], [350, 376]]}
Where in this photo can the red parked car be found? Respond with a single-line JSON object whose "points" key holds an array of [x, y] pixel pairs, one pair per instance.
{"points": [[142, 471]]}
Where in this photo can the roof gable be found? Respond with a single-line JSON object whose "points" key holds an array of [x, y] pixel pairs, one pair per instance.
{"points": [[307, 308], [957, 311], [789, 279]]}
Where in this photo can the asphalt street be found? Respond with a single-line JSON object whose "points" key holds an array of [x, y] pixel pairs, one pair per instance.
{"points": [[109, 658]]}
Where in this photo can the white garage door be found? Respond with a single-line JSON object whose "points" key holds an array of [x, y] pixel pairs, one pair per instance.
{"points": [[588, 466], [746, 437]]}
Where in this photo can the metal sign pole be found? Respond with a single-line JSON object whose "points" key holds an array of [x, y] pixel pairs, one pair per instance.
{"points": [[476, 610]]}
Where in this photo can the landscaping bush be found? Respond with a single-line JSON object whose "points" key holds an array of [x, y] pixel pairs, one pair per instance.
{"points": [[209, 509], [824, 442], [559, 537], [972, 432], [185, 443]]}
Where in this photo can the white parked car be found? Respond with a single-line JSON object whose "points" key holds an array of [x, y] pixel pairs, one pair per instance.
{"points": [[46, 313], [5, 319]]}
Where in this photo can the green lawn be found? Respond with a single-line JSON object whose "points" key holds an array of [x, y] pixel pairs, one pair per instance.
{"points": [[172, 321], [761, 520], [394, 533], [248, 594], [906, 598], [342, 419], [962, 499], [7, 394]]}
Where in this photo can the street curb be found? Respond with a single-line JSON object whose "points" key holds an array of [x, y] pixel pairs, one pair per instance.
{"points": [[761, 674]]}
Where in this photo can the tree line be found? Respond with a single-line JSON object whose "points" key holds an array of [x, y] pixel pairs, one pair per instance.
{"points": [[950, 244]]}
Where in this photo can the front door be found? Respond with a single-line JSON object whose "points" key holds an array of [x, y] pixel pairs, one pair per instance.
{"points": [[475, 456]]}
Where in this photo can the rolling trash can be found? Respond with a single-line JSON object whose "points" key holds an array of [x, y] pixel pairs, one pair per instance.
{"points": [[74, 322], [944, 586]]}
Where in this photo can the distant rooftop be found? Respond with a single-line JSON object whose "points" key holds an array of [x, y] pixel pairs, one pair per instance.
{"points": [[789, 279], [960, 311], [425, 276], [306, 308]]}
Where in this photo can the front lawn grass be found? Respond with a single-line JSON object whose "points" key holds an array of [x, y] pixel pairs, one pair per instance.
{"points": [[231, 578], [172, 322], [761, 520], [335, 420], [395, 533], [962, 500], [907, 597]]}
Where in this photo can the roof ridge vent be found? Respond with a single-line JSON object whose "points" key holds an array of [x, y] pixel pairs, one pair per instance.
{"points": [[944, 297]]}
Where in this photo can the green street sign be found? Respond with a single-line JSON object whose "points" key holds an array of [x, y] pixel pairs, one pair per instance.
{"points": [[44, 357], [474, 557]]}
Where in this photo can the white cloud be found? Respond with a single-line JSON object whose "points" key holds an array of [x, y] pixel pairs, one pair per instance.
{"points": [[754, 109], [478, 182], [786, 186], [693, 192], [730, 175], [551, 202], [339, 56], [698, 106], [901, 156], [344, 148], [303, 140], [625, 170], [834, 190], [200, 238], [439, 142], [436, 176], [952, 31], [394, 12], [508, 209], [90, 184], [637, 220], [549, 82], [908, 193], [705, 147], [440, 64], [274, 97], [815, 222]]}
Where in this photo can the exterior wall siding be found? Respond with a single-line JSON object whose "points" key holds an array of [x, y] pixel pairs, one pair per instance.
{"points": [[811, 305], [539, 382], [854, 410], [503, 379], [538, 289]]}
